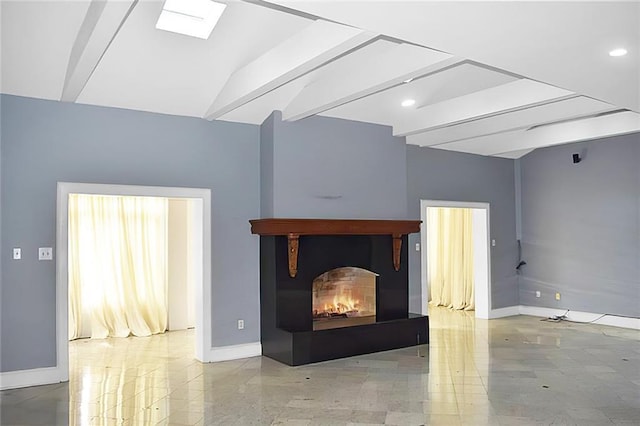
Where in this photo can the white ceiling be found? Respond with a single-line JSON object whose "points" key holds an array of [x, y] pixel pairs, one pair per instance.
{"points": [[490, 78]]}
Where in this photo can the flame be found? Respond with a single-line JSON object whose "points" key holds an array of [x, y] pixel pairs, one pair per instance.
{"points": [[344, 293], [341, 304]]}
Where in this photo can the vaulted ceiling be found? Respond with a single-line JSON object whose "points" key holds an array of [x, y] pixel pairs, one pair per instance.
{"points": [[491, 78]]}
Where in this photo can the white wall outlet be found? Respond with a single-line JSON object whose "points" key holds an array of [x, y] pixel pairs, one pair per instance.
{"points": [[557, 296], [240, 324], [45, 253], [417, 246], [537, 294], [17, 253], [493, 243]]}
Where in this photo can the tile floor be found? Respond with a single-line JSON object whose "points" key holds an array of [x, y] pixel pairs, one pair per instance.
{"points": [[510, 371]]}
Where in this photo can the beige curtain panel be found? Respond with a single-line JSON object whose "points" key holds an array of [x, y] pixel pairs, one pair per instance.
{"points": [[117, 266], [450, 257]]}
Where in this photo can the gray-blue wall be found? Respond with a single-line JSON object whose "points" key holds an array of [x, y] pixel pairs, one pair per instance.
{"points": [[267, 167], [2, 252], [580, 226], [323, 167], [445, 175], [580, 223], [43, 142]]}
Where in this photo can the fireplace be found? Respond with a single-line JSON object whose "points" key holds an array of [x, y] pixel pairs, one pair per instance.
{"points": [[343, 297], [335, 288]]}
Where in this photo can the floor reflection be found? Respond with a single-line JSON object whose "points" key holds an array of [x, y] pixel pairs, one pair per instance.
{"points": [[511, 371], [141, 379]]}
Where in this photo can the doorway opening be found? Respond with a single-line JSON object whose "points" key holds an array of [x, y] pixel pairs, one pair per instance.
{"points": [[199, 245], [481, 252], [131, 265]]}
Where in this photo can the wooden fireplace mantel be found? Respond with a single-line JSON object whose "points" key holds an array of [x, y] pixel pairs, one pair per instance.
{"points": [[294, 228]]}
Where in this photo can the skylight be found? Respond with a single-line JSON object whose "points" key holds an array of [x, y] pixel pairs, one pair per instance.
{"points": [[618, 52], [195, 18]]}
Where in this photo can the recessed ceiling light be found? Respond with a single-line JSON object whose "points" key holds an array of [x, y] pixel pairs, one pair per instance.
{"points": [[618, 52], [194, 18], [408, 102]]}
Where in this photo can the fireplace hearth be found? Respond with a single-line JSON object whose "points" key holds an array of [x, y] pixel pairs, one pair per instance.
{"points": [[335, 288]]}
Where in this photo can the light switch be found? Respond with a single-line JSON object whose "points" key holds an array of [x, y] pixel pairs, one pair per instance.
{"points": [[17, 253], [45, 253]]}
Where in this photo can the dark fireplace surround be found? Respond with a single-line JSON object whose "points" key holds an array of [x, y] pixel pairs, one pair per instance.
{"points": [[293, 252]]}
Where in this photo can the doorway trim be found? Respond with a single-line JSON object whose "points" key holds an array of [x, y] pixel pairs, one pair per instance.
{"points": [[482, 290], [202, 289]]}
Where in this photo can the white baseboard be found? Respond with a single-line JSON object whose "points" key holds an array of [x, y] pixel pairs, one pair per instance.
{"points": [[538, 311], [578, 316], [612, 320], [33, 377], [227, 353], [509, 311], [50, 375]]}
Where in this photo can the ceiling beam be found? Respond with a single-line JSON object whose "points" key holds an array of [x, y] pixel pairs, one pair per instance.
{"points": [[508, 97], [101, 24], [405, 61], [514, 155], [553, 134], [520, 119], [312, 47]]}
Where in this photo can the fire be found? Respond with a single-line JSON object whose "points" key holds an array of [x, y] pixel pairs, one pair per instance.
{"points": [[339, 305], [344, 293], [342, 304]]}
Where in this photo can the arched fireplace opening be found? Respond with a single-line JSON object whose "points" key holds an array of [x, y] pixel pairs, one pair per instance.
{"points": [[344, 297]]}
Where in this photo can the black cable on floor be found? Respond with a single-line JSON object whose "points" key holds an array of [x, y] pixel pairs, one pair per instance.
{"points": [[563, 317]]}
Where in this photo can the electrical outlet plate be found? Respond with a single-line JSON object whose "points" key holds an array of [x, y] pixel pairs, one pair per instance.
{"points": [[17, 253], [240, 324], [537, 294], [45, 253]]}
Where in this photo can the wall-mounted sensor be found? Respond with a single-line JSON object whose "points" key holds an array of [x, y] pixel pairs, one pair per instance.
{"points": [[576, 158]]}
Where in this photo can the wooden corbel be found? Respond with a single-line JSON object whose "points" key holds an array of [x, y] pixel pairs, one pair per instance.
{"points": [[397, 246], [293, 254]]}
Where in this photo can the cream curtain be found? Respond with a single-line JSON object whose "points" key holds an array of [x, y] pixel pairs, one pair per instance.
{"points": [[450, 257], [117, 266]]}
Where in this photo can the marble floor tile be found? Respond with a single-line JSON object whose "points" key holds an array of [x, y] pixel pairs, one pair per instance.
{"points": [[404, 419], [503, 372]]}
